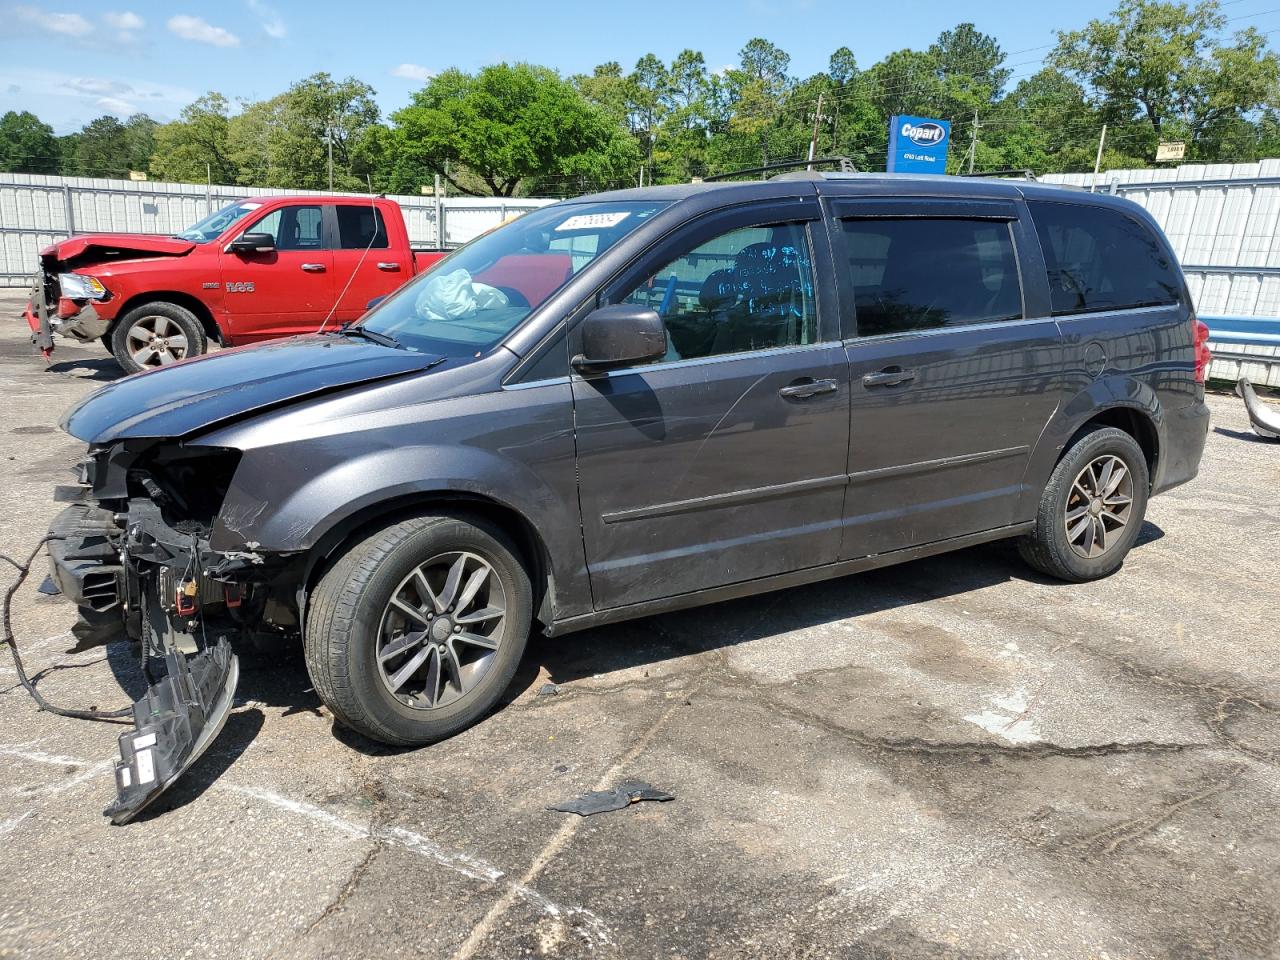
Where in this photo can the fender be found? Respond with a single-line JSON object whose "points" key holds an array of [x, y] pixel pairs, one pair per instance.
{"points": [[1117, 391], [262, 513]]}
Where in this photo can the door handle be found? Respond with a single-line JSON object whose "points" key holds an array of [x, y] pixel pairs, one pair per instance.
{"points": [[389, 266], [806, 388], [313, 267], [888, 377]]}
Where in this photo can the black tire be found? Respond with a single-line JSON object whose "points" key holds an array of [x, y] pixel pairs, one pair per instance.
{"points": [[347, 609], [1048, 547], [169, 319]]}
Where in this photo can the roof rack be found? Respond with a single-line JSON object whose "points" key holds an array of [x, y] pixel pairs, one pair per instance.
{"points": [[1021, 174], [844, 163]]}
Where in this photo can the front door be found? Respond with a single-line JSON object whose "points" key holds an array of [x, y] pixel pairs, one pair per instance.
{"points": [[289, 290], [953, 372], [725, 462]]}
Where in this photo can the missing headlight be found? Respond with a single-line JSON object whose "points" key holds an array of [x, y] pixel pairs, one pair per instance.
{"points": [[188, 484]]}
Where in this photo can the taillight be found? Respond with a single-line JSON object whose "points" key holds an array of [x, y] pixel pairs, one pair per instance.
{"points": [[1200, 335]]}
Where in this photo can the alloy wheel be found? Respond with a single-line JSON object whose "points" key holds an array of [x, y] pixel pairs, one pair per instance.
{"points": [[441, 629], [1099, 506], [155, 341]]}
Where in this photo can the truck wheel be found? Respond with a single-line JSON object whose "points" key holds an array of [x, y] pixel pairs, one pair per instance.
{"points": [[415, 633], [156, 334], [1092, 509]]}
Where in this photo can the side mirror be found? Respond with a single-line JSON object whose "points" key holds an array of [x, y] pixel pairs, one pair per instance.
{"points": [[252, 243], [620, 335], [374, 302]]}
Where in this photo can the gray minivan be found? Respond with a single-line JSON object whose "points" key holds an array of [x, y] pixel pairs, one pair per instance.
{"points": [[639, 401]]}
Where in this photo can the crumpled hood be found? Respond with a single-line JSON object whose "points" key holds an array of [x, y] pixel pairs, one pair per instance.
{"points": [[115, 246], [195, 394]]}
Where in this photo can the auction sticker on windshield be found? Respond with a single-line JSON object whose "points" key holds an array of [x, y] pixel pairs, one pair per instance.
{"points": [[594, 221]]}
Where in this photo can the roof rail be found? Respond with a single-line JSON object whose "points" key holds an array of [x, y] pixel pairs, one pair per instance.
{"points": [[1021, 174], [844, 163]]}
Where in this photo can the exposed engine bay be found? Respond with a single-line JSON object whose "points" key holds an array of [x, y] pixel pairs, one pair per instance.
{"points": [[132, 551]]}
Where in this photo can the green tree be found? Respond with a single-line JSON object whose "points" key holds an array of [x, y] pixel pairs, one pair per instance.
{"points": [[101, 150], [607, 89], [27, 145], [647, 91], [196, 145], [254, 137], [506, 126], [284, 141], [1165, 70]]}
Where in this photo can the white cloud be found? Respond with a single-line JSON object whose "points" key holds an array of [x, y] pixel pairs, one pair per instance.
{"points": [[412, 71], [124, 20], [273, 24], [121, 108], [125, 23], [97, 87], [202, 31], [71, 24]]}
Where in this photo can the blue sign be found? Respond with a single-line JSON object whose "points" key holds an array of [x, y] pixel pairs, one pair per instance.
{"points": [[918, 145]]}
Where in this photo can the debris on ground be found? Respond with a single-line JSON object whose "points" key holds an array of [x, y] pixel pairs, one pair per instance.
{"points": [[548, 690], [1265, 422], [603, 801]]}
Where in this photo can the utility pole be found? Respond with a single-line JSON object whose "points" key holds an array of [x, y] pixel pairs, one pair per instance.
{"points": [[208, 189], [1097, 164], [813, 142], [973, 142], [329, 137]]}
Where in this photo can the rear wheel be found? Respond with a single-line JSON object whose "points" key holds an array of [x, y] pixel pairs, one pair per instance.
{"points": [[156, 335], [1092, 509], [415, 633]]}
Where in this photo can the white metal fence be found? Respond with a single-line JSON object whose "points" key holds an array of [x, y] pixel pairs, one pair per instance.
{"points": [[36, 210]]}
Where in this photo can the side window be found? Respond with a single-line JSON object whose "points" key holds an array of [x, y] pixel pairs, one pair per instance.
{"points": [[301, 228], [748, 289], [1100, 259], [294, 228], [358, 225], [268, 224], [918, 273]]}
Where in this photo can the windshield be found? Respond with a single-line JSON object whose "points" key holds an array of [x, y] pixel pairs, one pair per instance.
{"points": [[213, 226], [475, 297]]}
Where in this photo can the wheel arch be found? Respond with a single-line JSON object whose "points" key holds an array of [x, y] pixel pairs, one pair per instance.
{"points": [[1134, 421], [1122, 402], [374, 516], [185, 300]]}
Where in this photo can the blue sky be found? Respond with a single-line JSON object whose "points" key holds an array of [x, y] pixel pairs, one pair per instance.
{"points": [[70, 61]]}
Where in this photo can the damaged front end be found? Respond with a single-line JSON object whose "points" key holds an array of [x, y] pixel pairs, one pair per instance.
{"points": [[69, 304], [132, 552]]}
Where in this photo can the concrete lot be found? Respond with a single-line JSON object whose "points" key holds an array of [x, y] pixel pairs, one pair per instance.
{"points": [[952, 758]]}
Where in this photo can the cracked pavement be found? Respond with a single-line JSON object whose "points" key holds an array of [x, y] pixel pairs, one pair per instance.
{"points": [[950, 758]]}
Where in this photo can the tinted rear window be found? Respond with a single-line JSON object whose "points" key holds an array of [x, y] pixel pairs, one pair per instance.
{"points": [[919, 273], [357, 226], [1101, 259]]}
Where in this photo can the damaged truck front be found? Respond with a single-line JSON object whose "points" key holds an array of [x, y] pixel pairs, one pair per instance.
{"points": [[146, 545]]}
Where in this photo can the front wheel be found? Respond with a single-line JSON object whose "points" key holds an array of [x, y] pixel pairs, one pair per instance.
{"points": [[1092, 509], [415, 633], [156, 335]]}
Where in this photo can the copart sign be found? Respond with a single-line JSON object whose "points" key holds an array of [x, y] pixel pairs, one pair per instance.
{"points": [[918, 145]]}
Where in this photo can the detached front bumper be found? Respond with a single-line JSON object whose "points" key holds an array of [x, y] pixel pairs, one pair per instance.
{"points": [[85, 324]]}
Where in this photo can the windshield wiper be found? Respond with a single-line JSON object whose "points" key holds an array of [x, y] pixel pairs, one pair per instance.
{"points": [[373, 335]]}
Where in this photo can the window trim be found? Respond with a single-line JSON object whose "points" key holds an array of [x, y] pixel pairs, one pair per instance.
{"points": [[1153, 235], [839, 239], [806, 212]]}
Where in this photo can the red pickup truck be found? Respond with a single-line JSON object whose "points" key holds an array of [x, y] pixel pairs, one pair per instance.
{"points": [[254, 270]]}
